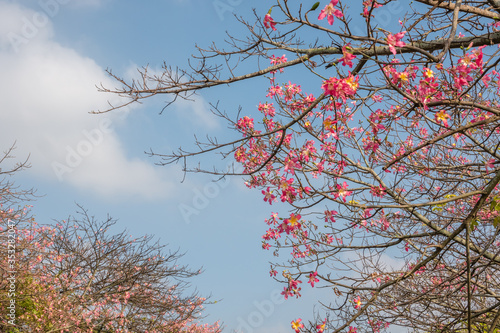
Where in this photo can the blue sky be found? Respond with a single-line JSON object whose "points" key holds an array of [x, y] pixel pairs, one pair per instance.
{"points": [[52, 54]]}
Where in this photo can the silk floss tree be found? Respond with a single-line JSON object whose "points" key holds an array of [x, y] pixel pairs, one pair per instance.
{"points": [[390, 152], [76, 276]]}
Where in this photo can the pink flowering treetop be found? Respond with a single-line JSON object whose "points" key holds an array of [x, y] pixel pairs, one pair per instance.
{"points": [[76, 277], [380, 134]]}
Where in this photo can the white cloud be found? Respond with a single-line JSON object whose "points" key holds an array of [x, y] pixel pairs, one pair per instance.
{"points": [[47, 92], [20, 26]]}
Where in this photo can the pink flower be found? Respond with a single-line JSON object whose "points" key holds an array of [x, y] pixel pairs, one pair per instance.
{"points": [[342, 191], [278, 60], [269, 22], [347, 57], [395, 40], [296, 325], [443, 117], [385, 223], [367, 6], [294, 220], [478, 56], [291, 89], [357, 302], [329, 215], [245, 123], [291, 224], [330, 11], [271, 234], [240, 155], [486, 79], [293, 288], [286, 292], [341, 88], [291, 163], [268, 196], [273, 90], [378, 191], [352, 329], [330, 86], [313, 279], [321, 327], [489, 164], [294, 284], [285, 183]]}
